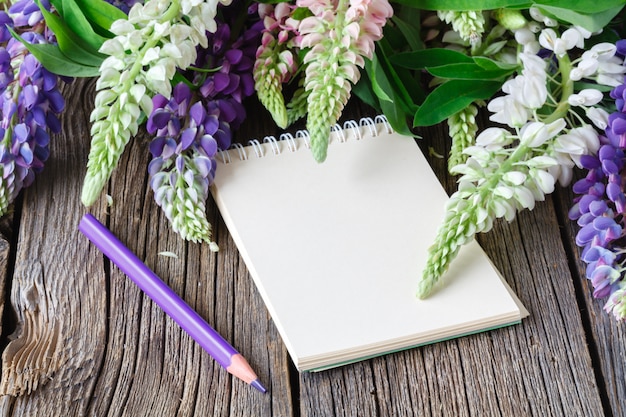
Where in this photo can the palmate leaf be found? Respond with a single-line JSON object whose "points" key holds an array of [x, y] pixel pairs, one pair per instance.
{"points": [[451, 97]]}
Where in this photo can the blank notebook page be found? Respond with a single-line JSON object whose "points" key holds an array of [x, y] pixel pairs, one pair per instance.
{"points": [[336, 248]]}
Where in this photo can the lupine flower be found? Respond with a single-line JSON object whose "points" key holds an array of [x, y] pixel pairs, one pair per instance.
{"points": [[30, 101], [124, 5], [276, 60], [462, 128], [469, 24], [536, 14], [600, 64], [27, 12], [158, 37], [508, 170], [599, 212], [190, 128], [599, 209], [339, 37], [183, 166]]}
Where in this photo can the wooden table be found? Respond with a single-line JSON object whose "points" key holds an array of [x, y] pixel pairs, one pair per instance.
{"points": [[85, 341]]}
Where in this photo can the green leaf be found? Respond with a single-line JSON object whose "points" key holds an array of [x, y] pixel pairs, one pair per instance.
{"points": [[410, 33], [464, 4], [466, 71], [396, 117], [363, 90], [398, 84], [434, 57], [76, 20], [58, 6], [100, 13], [380, 84], [581, 6], [592, 22], [55, 61], [70, 44], [301, 13], [452, 96], [492, 65]]}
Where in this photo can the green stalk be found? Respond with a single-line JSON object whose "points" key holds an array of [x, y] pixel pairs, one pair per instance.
{"points": [[567, 89]]}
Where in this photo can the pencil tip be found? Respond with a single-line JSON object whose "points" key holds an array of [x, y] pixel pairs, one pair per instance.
{"points": [[257, 384]]}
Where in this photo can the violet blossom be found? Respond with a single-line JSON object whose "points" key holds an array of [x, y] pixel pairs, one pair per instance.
{"points": [[30, 101], [191, 126], [599, 209]]}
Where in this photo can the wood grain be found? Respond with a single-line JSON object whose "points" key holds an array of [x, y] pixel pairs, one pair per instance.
{"points": [[606, 337], [56, 298], [110, 351]]}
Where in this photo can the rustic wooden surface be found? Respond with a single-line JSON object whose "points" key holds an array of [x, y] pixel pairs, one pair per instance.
{"points": [[78, 338]]}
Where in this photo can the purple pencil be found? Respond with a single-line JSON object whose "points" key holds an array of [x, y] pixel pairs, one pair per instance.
{"points": [[174, 306]]}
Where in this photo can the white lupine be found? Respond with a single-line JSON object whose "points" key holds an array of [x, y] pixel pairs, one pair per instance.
{"points": [[469, 24], [586, 97], [148, 47], [527, 38], [508, 111], [585, 69], [494, 137], [462, 128], [600, 64], [549, 39], [599, 117], [601, 51], [509, 170], [611, 71], [528, 89], [540, 17]]}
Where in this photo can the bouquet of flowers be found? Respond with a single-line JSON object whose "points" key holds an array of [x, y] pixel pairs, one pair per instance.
{"points": [[549, 73]]}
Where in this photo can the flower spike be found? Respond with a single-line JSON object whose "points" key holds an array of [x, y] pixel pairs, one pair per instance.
{"points": [[158, 37], [339, 37], [30, 101]]}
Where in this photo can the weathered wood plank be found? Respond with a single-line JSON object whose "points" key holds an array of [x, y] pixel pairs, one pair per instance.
{"points": [[6, 235], [607, 337], [56, 351], [166, 372], [115, 352]]}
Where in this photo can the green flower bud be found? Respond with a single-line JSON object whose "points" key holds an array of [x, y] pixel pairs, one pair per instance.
{"points": [[509, 18]]}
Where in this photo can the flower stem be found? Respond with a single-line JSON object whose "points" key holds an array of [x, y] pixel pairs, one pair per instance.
{"points": [[567, 89]]}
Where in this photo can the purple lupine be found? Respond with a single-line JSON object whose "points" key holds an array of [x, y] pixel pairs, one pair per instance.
{"points": [[183, 164], [191, 126], [600, 209], [124, 5], [30, 101]]}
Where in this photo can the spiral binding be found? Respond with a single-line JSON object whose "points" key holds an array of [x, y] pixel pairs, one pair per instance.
{"points": [[338, 133]]}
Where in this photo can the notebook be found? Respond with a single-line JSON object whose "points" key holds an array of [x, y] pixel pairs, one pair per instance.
{"points": [[336, 249]]}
